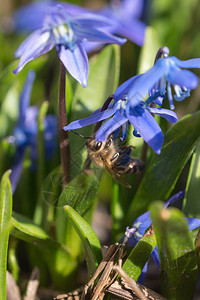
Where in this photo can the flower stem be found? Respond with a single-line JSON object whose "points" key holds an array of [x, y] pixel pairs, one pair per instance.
{"points": [[64, 140], [104, 107]]}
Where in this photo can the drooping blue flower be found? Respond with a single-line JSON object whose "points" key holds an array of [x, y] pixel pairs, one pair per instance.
{"points": [[170, 71], [25, 133], [121, 111], [67, 33], [125, 16], [142, 223]]}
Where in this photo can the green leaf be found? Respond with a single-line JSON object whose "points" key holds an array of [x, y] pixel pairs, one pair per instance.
{"points": [[89, 239], [102, 82], [5, 218], [58, 258], [191, 203], [164, 169], [80, 195], [149, 50], [9, 80], [41, 209], [176, 252], [139, 256]]}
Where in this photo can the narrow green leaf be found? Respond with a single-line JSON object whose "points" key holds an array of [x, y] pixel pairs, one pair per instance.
{"points": [[149, 50], [41, 207], [139, 256], [164, 169], [89, 239], [12, 258], [5, 217], [58, 258], [191, 203], [176, 251], [102, 82]]}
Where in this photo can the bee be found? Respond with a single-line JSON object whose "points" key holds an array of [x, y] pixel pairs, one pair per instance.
{"points": [[117, 160]]}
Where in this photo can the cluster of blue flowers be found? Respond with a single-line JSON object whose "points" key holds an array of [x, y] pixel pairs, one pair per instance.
{"points": [[75, 31], [135, 101]]}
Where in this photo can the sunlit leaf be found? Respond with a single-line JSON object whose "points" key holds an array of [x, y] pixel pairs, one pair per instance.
{"points": [[176, 252], [191, 203], [58, 258], [88, 237], [5, 218], [139, 256]]}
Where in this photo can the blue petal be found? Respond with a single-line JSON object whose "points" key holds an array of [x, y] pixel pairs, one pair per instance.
{"points": [[96, 35], [169, 115], [50, 135], [175, 198], [143, 274], [76, 62], [90, 46], [134, 30], [146, 81], [36, 45], [124, 88], [170, 96], [143, 218], [142, 222], [147, 127], [99, 116], [110, 126], [25, 97], [190, 63], [183, 78], [92, 19], [193, 223], [133, 8], [124, 131], [30, 17], [32, 37]]}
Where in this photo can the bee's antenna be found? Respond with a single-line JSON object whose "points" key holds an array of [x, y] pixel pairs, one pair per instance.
{"points": [[82, 136]]}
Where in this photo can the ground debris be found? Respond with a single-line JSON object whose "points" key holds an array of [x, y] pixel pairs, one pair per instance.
{"points": [[105, 280]]}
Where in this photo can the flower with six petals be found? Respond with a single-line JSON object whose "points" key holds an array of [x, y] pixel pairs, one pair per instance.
{"points": [[67, 33]]}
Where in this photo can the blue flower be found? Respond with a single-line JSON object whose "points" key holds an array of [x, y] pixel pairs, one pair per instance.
{"points": [[125, 17], [142, 223], [25, 133], [66, 33], [167, 72], [122, 112]]}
